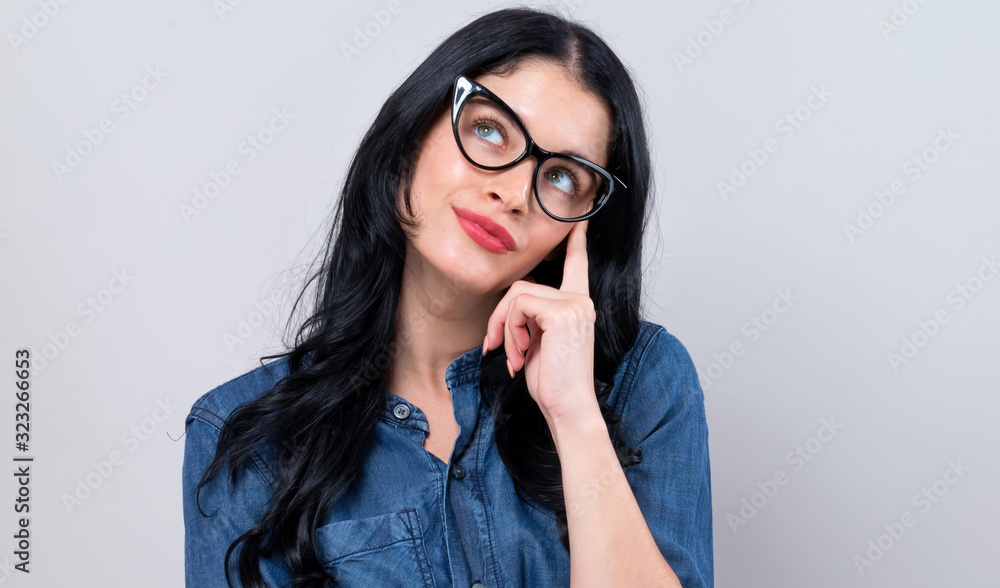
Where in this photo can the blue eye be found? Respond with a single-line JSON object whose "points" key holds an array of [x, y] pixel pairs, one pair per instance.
{"points": [[485, 131], [562, 180], [489, 133]]}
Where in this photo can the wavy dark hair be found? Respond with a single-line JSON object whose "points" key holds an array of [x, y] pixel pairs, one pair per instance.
{"points": [[323, 422]]}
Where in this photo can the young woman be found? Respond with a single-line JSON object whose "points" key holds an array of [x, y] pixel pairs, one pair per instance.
{"points": [[475, 400]]}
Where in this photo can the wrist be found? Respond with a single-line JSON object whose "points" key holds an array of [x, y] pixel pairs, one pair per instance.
{"points": [[580, 424]]}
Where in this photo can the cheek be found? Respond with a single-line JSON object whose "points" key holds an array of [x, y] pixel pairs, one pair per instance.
{"points": [[441, 174], [547, 248], [440, 163]]}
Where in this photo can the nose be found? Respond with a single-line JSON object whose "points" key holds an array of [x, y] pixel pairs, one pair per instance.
{"points": [[514, 185]]}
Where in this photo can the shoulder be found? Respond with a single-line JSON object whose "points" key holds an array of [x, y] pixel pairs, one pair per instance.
{"points": [[658, 355], [209, 413], [215, 406], [219, 509], [656, 385]]}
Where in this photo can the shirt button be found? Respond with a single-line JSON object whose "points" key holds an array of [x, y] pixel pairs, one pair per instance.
{"points": [[401, 411], [479, 585], [459, 473]]}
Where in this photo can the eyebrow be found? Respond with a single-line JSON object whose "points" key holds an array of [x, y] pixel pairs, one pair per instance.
{"points": [[575, 154], [521, 119], [568, 152], [571, 152]]}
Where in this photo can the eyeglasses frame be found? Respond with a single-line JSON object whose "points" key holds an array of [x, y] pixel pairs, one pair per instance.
{"points": [[465, 88]]}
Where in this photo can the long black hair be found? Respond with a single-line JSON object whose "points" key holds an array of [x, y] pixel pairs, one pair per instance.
{"points": [[323, 421]]}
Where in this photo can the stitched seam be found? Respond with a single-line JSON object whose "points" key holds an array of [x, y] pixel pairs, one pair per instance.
{"points": [[419, 546], [256, 460], [480, 467], [404, 424], [368, 550], [629, 377]]}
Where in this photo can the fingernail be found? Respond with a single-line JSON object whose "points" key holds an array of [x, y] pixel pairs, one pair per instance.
{"points": [[510, 369], [485, 340]]}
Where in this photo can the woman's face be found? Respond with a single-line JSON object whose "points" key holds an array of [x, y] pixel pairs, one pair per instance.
{"points": [[560, 116]]}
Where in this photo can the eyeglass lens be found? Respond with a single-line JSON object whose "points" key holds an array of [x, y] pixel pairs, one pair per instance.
{"points": [[490, 137]]}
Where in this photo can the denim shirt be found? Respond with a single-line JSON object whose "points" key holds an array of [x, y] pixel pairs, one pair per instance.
{"points": [[411, 520]]}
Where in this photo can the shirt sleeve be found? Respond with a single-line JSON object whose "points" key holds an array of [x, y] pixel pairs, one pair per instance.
{"points": [[664, 416], [231, 510]]}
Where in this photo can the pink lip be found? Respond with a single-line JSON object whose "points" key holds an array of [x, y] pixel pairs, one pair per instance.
{"points": [[485, 231]]}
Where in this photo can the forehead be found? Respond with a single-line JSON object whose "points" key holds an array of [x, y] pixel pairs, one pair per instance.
{"points": [[560, 115]]}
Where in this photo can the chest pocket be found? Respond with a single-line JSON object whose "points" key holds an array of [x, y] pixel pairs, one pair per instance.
{"points": [[383, 550]]}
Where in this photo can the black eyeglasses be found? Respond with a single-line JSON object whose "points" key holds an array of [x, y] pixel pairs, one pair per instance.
{"points": [[492, 137]]}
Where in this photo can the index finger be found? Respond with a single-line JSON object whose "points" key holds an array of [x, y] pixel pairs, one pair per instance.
{"points": [[575, 271]]}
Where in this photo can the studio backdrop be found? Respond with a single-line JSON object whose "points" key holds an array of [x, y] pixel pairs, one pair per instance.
{"points": [[823, 241]]}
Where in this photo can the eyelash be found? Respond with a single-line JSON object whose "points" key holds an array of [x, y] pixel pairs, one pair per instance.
{"points": [[492, 123], [495, 125], [572, 176]]}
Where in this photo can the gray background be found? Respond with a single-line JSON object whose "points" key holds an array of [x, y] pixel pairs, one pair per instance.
{"points": [[174, 330]]}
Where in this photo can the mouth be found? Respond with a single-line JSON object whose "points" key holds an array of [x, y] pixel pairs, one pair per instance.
{"points": [[484, 231]]}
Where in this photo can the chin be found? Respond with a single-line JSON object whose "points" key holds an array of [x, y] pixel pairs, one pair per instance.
{"points": [[464, 272]]}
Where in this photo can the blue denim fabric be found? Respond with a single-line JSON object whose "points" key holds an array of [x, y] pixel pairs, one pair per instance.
{"points": [[411, 520]]}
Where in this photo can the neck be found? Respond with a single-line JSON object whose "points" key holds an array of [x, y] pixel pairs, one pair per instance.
{"points": [[437, 320]]}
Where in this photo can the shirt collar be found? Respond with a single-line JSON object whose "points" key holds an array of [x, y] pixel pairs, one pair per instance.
{"points": [[461, 371], [464, 368]]}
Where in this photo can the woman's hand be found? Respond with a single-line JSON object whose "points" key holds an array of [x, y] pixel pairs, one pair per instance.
{"points": [[556, 328]]}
